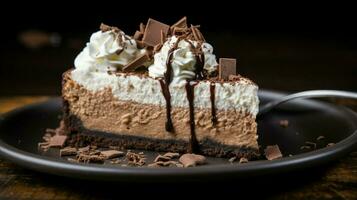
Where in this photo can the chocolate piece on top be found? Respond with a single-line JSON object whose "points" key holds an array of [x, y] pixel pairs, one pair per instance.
{"points": [[227, 66], [138, 35], [138, 62], [182, 23], [152, 34]]}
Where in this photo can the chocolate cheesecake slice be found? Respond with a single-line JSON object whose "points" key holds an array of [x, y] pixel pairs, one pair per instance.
{"points": [[161, 90]]}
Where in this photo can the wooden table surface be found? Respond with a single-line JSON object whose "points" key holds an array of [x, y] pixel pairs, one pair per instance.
{"points": [[337, 180]]}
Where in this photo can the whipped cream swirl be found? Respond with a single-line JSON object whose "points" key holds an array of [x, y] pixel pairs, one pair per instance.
{"points": [[183, 60], [107, 51]]}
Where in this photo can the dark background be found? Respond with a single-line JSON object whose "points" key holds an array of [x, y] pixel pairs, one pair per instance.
{"points": [[285, 47]]}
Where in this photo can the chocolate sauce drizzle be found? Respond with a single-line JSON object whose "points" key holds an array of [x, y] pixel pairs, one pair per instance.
{"points": [[190, 97], [213, 106], [199, 75], [165, 86]]}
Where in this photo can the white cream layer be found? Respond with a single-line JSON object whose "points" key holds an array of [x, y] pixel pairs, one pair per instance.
{"points": [[240, 95]]}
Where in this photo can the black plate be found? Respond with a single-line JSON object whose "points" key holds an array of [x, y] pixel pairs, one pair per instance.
{"points": [[23, 128]]}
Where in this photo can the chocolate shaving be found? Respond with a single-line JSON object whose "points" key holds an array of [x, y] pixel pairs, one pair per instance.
{"points": [[161, 158], [191, 160], [142, 28], [138, 35], [135, 159], [234, 77], [162, 37], [227, 66], [68, 151], [111, 154], [90, 158], [321, 137], [171, 155], [152, 32], [104, 28], [272, 152], [138, 62]]}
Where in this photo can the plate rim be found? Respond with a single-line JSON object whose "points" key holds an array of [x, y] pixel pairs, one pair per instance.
{"points": [[106, 172]]}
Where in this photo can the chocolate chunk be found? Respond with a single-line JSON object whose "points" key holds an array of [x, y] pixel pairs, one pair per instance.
{"points": [[172, 155], [138, 35], [111, 154], [152, 32], [182, 23], [57, 141], [272, 152], [284, 123], [68, 151], [138, 62], [243, 160], [227, 66], [191, 160]]}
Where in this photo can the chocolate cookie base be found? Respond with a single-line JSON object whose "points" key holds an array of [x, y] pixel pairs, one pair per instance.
{"points": [[80, 137]]}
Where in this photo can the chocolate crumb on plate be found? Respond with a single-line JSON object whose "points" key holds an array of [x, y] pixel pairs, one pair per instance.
{"points": [[311, 144], [90, 158], [305, 147], [108, 154], [68, 151], [191, 160], [330, 144], [272, 152], [232, 159], [57, 141], [171, 155], [162, 158], [284, 123], [321, 137], [135, 159], [243, 160]]}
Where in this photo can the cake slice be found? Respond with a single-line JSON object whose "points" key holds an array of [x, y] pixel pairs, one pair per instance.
{"points": [[161, 90]]}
